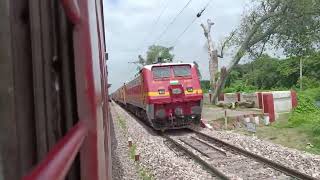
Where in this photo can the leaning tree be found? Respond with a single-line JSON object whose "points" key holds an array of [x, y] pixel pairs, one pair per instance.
{"points": [[290, 25]]}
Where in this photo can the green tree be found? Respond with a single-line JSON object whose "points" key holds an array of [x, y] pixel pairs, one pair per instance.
{"points": [[268, 73], [156, 52], [291, 24]]}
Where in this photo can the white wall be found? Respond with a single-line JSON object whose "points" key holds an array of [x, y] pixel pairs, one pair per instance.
{"points": [[282, 101]]}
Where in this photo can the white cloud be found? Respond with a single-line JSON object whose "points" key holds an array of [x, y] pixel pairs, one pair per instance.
{"points": [[129, 21]]}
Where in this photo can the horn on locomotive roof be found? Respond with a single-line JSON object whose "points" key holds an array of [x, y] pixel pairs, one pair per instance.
{"points": [[161, 60]]}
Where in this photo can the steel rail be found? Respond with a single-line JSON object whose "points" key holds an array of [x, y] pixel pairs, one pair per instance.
{"points": [[207, 144], [189, 144], [212, 169], [272, 164]]}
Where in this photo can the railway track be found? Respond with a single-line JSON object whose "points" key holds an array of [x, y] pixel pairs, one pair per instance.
{"points": [[228, 161]]}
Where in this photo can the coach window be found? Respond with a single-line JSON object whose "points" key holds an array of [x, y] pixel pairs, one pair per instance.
{"points": [[181, 71], [161, 72]]}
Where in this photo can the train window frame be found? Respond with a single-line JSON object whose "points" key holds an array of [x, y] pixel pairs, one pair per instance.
{"points": [[182, 76], [160, 78]]}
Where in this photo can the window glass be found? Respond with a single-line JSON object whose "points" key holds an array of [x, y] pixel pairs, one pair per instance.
{"points": [[182, 70], [161, 72]]}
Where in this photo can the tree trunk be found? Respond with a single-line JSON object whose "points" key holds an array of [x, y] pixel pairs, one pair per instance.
{"points": [[220, 84], [213, 56], [213, 68], [253, 36]]}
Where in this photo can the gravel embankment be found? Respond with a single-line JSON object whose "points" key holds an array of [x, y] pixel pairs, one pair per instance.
{"points": [[301, 161], [122, 166], [156, 156]]}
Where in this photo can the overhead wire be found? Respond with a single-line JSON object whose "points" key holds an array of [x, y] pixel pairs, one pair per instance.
{"points": [[156, 21], [173, 20], [189, 25], [181, 34]]}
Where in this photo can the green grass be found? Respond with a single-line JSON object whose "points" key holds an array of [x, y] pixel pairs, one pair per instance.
{"points": [[280, 132], [122, 123], [143, 173], [299, 129], [306, 117], [132, 151]]}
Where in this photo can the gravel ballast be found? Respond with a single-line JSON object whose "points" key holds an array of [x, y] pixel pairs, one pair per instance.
{"points": [[122, 166], [298, 160], [163, 161], [155, 155]]}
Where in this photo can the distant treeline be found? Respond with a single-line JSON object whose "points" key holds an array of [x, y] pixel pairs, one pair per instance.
{"points": [[267, 73]]}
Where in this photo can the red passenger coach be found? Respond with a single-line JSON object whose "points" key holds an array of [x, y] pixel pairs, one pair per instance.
{"points": [[55, 120], [167, 95]]}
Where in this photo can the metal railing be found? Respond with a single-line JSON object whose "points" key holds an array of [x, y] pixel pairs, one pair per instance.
{"points": [[58, 161]]}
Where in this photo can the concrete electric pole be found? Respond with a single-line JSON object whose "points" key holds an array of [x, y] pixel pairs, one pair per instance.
{"points": [[301, 73]]}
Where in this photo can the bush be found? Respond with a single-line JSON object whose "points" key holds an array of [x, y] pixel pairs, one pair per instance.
{"points": [[314, 93], [306, 104], [239, 86], [307, 113], [304, 119], [308, 83]]}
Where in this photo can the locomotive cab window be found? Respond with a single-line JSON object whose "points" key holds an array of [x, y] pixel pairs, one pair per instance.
{"points": [[161, 72], [181, 71]]}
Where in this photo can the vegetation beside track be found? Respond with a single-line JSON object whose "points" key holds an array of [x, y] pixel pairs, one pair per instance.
{"points": [[144, 174], [307, 118], [299, 129], [267, 73]]}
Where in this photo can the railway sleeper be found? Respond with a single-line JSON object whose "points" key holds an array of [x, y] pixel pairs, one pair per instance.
{"points": [[226, 160]]}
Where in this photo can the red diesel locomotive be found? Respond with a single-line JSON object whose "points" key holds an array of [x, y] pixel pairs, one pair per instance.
{"points": [[167, 95]]}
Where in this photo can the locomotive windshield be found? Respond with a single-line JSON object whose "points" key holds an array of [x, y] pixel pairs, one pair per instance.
{"points": [[161, 72], [181, 71]]}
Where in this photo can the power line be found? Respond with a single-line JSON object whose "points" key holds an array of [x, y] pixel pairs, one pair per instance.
{"points": [[161, 13], [194, 19], [174, 19], [155, 23], [180, 35]]}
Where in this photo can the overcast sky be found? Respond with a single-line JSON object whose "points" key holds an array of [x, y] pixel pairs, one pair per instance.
{"points": [[131, 28]]}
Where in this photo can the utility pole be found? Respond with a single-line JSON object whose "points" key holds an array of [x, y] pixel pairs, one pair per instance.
{"points": [[300, 73]]}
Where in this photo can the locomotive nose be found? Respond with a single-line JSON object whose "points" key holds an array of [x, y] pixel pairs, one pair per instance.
{"points": [[176, 90]]}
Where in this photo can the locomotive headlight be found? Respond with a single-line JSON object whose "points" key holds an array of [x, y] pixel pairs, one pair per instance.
{"points": [[161, 91], [189, 89]]}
